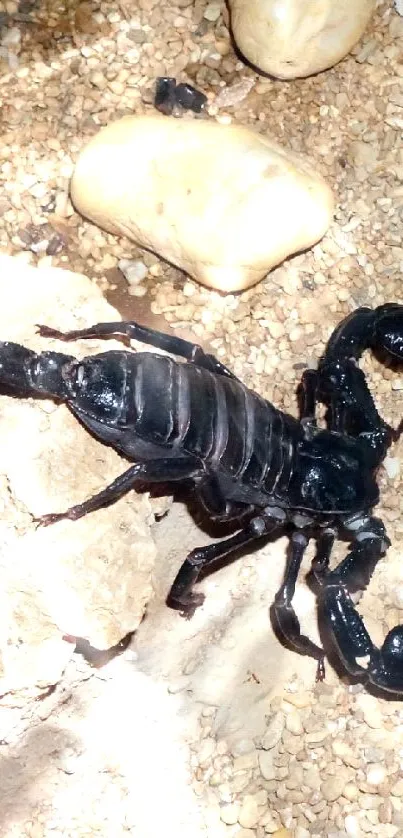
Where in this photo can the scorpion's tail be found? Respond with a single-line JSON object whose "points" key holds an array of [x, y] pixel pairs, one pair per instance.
{"points": [[24, 373], [341, 384], [388, 329], [366, 328]]}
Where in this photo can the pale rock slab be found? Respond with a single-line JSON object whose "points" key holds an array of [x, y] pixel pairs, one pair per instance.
{"points": [[221, 202], [296, 38], [89, 578]]}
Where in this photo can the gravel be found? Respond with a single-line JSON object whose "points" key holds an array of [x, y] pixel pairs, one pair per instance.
{"points": [[328, 762]]}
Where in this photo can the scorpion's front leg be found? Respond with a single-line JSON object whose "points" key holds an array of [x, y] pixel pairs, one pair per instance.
{"points": [[282, 612], [381, 667]]}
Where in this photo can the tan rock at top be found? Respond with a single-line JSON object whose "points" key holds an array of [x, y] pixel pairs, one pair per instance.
{"points": [[293, 38], [223, 203]]}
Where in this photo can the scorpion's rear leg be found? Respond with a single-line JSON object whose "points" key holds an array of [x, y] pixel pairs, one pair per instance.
{"points": [[155, 471], [181, 597], [282, 611], [134, 331], [383, 667]]}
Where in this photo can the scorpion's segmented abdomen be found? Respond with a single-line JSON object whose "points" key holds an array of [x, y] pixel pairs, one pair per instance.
{"points": [[217, 419]]}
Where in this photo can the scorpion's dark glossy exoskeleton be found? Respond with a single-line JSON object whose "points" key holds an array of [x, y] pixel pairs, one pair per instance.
{"points": [[246, 459]]}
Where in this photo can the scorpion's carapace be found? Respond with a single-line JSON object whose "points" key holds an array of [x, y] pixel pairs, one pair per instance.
{"points": [[248, 461]]}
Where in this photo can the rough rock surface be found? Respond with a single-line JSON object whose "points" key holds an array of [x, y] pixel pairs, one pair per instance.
{"points": [[223, 203], [90, 578], [294, 38]]}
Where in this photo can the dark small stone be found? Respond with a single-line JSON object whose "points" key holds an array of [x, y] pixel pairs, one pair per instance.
{"points": [[25, 7], [189, 98], [201, 29], [164, 99], [55, 245], [137, 36], [171, 97], [50, 205]]}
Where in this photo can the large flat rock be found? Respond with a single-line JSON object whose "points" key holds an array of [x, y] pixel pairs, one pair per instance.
{"points": [[90, 578]]}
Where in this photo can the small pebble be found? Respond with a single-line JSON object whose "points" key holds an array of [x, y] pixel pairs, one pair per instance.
{"points": [[249, 812], [274, 731], [376, 775], [333, 787], [229, 813], [133, 271]]}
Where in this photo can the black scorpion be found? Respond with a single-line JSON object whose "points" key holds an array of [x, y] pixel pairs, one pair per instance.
{"points": [[247, 461]]}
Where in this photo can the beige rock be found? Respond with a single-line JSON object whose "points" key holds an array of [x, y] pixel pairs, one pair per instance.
{"points": [[221, 202], [89, 578], [294, 38]]}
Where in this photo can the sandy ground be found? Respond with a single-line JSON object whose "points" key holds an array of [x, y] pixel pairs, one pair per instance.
{"points": [[211, 727]]}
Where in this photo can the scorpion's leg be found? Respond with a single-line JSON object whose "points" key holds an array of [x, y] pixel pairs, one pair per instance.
{"points": [[307, 397], [134, 331], [154, 471], [282, 611], [181, 596], [217, 505], [383, 667]]}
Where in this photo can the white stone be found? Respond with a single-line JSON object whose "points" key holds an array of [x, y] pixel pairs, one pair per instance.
{"points": [[133, 271], [222, 203], [229, 813], [274, 731], [392, 466], [332, 787], [249, 813], [266, 765], [352, 826], [376, 775], [294, 38]]}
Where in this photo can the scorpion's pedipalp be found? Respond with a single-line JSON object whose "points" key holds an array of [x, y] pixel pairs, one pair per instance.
{"points": [[381, 667], [386, 668], [347, 628], [360, 657]]}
